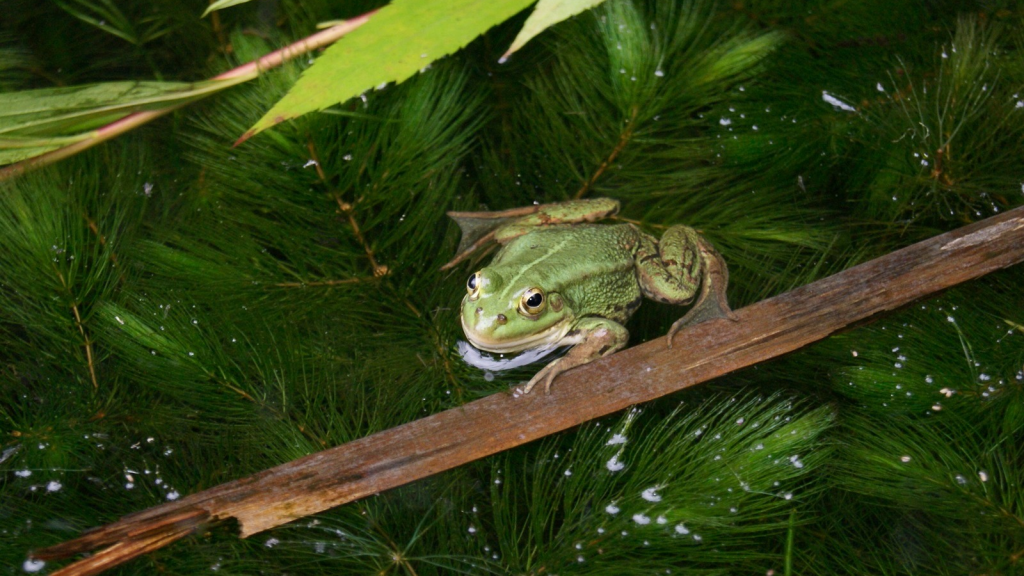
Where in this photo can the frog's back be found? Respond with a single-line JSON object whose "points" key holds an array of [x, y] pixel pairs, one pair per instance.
{"points": [[590, 265]]}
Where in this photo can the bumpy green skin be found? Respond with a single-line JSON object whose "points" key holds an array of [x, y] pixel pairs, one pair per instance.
{"points": [[592, 278]]}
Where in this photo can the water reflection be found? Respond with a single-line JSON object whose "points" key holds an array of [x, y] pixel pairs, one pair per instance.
{"points": [[492, 362]]}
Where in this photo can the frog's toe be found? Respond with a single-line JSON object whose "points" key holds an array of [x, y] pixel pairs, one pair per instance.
{"points": [[698, 314], [547, 375]]}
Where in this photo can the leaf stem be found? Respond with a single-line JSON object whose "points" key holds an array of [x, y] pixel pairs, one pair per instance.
{"points": [[235, 76], [81, 329]]}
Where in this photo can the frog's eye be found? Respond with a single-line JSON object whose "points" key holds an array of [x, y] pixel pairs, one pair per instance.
{"points": [[473, 286], [532, 302]]}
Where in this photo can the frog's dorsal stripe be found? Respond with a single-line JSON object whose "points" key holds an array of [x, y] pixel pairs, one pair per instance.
{"points": [[513, 282]]}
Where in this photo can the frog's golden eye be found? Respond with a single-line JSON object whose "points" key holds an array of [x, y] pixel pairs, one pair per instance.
{"points": [[533, 301], [473, 286]]}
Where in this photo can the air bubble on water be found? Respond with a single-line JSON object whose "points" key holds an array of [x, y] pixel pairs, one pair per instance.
{"points": [[724, 121], [471, 529], [682, 529], [611, 509], [928, 378], [271, 542], [661, 520], [53, 486], [641, 519], [983, 476], [32, 565], [347, 157]]}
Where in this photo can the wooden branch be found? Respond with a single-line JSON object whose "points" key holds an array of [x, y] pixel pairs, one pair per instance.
{"points": [[442, 441]]}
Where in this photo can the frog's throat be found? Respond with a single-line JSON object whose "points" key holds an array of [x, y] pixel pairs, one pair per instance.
{"points": [[552, 336]]}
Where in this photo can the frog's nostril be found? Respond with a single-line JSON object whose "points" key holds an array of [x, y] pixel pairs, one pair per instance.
{"points": [[479, 311], [502, 319]]}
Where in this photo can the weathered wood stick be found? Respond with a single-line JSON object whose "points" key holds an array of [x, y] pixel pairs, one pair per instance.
{"points": [[448, 439]]}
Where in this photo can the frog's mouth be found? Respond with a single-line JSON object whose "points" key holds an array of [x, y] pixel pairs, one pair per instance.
{"points": [[551, 336]]}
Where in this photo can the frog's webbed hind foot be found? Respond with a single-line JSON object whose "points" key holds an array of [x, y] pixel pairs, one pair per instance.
{"points": [[479, 228], [598, 337], [711, 302]]}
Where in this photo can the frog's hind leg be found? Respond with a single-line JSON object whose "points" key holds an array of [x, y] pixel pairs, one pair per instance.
{"points": [[481, 228], [571, 212], [682, 265]]}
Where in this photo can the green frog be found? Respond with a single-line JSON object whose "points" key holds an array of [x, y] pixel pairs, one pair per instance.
{"points": [[561, 280]]}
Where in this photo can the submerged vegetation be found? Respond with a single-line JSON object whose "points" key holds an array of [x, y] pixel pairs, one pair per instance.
{"points": [[176, 313]]}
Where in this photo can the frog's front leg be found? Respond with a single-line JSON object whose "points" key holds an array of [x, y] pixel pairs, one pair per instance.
{"points": [[678, 267], [596, 337]]}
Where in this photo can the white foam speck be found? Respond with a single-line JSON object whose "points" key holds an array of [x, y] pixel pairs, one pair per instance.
{"points": [[836, 102], [616, 439], [651, 495]]}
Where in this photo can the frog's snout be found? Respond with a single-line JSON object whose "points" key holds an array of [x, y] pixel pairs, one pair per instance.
{"points": [[482, 322]]}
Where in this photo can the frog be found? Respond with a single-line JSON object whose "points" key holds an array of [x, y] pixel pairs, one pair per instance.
{"points": [[561, 278]]}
